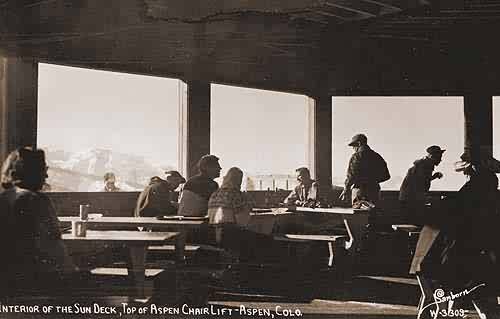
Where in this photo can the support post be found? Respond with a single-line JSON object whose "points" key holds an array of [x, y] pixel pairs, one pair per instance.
{"points": [[18, 103], [194, 126]]}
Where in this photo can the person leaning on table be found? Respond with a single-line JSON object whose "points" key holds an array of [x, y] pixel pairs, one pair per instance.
{"points": [[366, 170], [306, 193], [156, 198]]}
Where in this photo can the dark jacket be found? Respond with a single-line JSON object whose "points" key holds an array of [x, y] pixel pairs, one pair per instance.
{"points": [[156, 199], [417, 180], [202, 186], [30, 239], [364, 168]]}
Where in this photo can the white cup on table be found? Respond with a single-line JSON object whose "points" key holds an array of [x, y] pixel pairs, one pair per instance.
{"points": [[84, 211], [79, 228]]}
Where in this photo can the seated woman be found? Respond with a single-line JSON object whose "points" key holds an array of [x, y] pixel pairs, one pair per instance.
{"points": [[30, 236], [229, 214]]}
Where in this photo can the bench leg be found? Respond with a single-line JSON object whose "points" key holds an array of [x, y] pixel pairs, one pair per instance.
{"points": [[180, 247], [137, 270]]}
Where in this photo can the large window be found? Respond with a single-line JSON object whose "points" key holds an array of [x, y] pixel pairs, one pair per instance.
{"points": [[400, 129], [262, 132], [496, 131], [93, 122]]}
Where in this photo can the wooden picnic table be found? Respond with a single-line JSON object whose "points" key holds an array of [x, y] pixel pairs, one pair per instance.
{"points": [[313, 220], [178, 224], [135, 241]]}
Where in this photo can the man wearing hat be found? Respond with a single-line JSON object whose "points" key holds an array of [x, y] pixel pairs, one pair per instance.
{"points": [[417, 183], [156, 198], [366, 170]]}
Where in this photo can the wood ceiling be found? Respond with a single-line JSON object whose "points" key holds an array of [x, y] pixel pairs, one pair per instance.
{"points": [[362, 47]]}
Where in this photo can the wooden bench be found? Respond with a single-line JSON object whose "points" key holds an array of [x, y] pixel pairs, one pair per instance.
{"points": [[407, 228], [329, 239], [412, 232], [162, 250], [114, 280], [103, 271]]}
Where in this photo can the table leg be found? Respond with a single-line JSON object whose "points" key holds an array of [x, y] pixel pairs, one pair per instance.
{"points": [[330, 251], [356, 226], [137, 270], [180, 247]]}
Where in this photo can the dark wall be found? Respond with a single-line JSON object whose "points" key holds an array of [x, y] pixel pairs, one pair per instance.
{"points": [[109, 204], [123, 203]]}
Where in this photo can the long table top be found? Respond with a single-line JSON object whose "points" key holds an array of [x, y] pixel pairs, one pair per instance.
{"points": [[291, 210], [139, 221], [333, 210], [107, 236]]}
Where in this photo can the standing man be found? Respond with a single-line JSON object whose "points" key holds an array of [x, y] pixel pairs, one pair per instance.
{"points": [[417, 182], [156, 198], [366, 170], [195, 194], [306, 193]]}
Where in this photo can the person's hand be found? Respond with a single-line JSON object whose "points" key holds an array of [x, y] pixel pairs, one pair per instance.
{"points": [[437, 175]]}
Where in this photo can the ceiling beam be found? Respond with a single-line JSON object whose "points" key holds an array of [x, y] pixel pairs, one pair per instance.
{"points": [[200, 10], [353, 6]]}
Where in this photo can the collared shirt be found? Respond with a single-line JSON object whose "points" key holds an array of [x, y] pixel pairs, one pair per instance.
{"points": [[360, 171], [417, 180], [303, 193], [113, 188]]}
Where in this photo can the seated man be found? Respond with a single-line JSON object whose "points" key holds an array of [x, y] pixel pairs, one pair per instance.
{"points": [[36, 257], [193, 200], [306, 194], [156, 198], [109, 183]]}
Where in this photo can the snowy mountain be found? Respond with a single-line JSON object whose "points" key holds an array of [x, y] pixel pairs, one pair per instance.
{"points": [[84, 170]]}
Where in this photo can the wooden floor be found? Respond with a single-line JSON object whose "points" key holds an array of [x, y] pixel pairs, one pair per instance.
{"points": [[364, 297]]}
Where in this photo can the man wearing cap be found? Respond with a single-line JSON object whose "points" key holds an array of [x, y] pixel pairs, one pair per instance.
{"points": [[156, 198], [195, 194], [366, 170], [417, 183]]}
